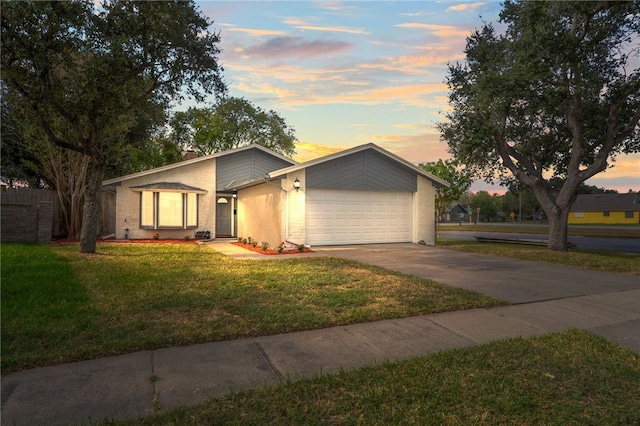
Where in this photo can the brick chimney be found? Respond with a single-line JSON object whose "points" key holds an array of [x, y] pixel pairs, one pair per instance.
{"points": [[190, 155]]}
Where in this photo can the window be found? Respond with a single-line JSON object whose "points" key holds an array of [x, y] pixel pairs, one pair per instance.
{"points": [[628, 215], [578, 214], [605, 213], [147, 218], [169, 210]]}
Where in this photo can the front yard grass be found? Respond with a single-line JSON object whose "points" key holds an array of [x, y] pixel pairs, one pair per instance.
{"points": [[569, 378], [59, 305], [623, 263]]}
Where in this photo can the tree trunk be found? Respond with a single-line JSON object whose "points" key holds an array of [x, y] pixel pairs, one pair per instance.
{"points": [[558, 228], [91, 212]]}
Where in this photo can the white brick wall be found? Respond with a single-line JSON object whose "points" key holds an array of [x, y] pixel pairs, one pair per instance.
{"points": [[200, 175], [424, 212]]}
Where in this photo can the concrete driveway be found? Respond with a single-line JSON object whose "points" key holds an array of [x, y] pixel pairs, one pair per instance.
{"points": [[517, 281]]}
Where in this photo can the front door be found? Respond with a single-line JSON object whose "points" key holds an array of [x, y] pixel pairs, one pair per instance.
{"points": [[223, 217]]}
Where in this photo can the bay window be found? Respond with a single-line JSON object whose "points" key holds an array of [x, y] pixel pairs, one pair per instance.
{"points": [[168, 210]]}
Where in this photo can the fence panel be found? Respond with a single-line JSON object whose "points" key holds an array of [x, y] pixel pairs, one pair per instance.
{"points": [[34, 197]]}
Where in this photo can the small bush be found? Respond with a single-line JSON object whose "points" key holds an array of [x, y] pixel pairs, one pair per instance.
{"points": [[265, 245]]}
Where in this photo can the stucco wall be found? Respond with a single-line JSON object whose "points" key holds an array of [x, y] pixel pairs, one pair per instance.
{"points": [[600, 218], [260, 213], [424, 212], [200, 175]]}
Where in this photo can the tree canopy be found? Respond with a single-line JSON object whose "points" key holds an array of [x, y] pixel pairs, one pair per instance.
{"points": [[232, 123], [556, 95], [95, 77]]}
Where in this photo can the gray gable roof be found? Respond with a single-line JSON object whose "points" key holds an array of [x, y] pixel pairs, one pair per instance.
{"points": [[169, 187], [458, 209], [119, 179], [607, 202], [370, 146]]}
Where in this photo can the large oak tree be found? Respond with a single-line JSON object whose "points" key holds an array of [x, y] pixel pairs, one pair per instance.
{"points": [[556, 95], [98, 71]]}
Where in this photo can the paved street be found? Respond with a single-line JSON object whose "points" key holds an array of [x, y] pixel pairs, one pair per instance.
{"points": [[627, 245]]}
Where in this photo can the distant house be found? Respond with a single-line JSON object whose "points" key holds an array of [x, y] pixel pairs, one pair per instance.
{"points": [[606, 208], [458, 214]]}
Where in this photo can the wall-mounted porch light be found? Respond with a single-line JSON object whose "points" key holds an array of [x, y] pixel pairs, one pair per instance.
{"points": [[296, 184]]}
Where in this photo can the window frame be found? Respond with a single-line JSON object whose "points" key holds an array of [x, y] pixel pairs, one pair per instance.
{"points": [[188, 210]]}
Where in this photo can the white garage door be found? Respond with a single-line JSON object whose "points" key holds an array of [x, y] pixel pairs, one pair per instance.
{"points": [[358, 217]]}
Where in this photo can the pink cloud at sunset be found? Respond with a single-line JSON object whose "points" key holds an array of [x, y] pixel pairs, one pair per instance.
{"points": [[283, 47], [466, 6]]}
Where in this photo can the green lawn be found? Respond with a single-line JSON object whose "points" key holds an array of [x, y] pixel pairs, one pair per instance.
{"points": [[567, 378], [624, 263], [59, 305]]}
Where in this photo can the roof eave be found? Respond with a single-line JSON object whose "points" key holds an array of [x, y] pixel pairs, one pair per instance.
{"points": [[117, 180]]}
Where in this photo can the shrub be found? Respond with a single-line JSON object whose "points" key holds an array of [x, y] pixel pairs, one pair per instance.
{"points": [[265, 245]]}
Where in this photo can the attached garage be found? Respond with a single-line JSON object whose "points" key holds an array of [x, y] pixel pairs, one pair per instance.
{"points": [[358, 217], [363, 195]]}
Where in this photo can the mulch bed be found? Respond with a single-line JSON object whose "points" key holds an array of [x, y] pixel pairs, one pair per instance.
{"points": [[141, 241], [271, 251]]}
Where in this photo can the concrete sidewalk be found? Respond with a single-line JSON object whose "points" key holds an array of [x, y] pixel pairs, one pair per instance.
{"points": [[140, 383]]}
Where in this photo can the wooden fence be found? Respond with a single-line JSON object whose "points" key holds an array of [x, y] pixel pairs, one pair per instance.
{"points": [[16, 200]]}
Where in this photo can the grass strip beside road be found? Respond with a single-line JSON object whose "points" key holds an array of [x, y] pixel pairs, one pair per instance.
{"points": [[623, 263], [610, 231], [571, 377], [59, 305]]}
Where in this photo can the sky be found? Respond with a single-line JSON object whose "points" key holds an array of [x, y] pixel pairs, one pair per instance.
{"points": [[343, 74]]}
